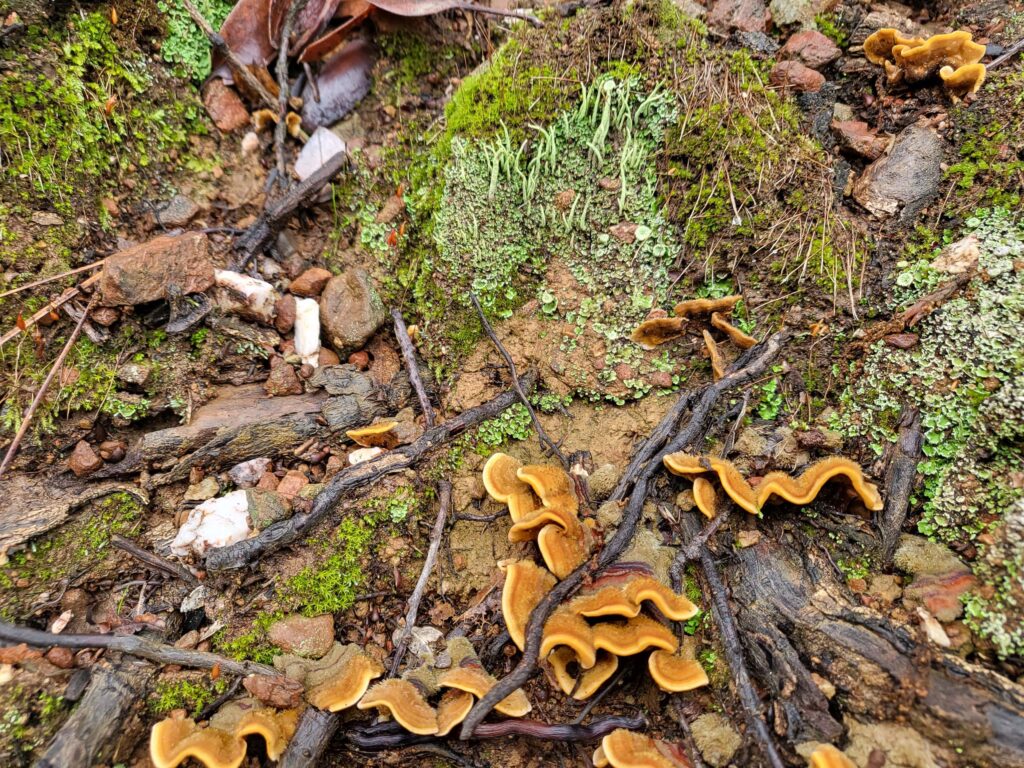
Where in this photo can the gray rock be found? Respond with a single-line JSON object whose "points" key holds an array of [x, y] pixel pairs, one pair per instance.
{"points": [[205, 489], [906, 178], [602, 481], [134, 373], [265, 507], [178, 211], [801, 13], [691, 8], [350, 311], [46, 219], [321, 147]]}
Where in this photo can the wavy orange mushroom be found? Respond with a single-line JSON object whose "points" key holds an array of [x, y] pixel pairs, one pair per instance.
{"points": [[623, 595], [452, 709], [586, 682], [500, 478], [705, 496], [471, 677], [658, 330], [962, 81], [803, 489], [697, 307], [878, 45], [736, 336], [550, 483], [564, 551], [564, 627], [403, 701], [733, 483], [717, 363], [674, 674], [526, 583], [379, 435], [337, 680], [626, 749], [633, 636], [827, 756]]}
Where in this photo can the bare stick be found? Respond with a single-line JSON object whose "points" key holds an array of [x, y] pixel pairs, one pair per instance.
{"points": [[284, 91], [45, 280], [65, 297], [1008, 54], [134, 645], [279, 534], [762, 356], [899, 481], [237, 67], [729, 635], [154, 560], [409, 355], [513, 14], [541, 434], [312, 737], [26, 421], [445, 495]]}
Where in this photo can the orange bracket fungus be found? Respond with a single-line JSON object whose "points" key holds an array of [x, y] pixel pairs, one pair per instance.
{"points": [[586, 682], [736, 336], [954, 57], [564, 551], [633, 636], [623, 594], [526, 583], [626, 749], [471, 677], [405, 702], [379, 435], [336, 681], [452, 709], [675, 674], [699, 307], [501, 480], [827, 756], [221, 744], [733, 483], [658, 330], [705, 496], [717, 364]]}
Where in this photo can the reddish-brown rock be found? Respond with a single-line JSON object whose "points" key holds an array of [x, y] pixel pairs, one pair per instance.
{"points": [[812, 48], [857, 136], [902, 340], [224, 106], [293, 482], [624, 232], [328, 357], [275, 691], [940, 593], [282, 379], [799, 77], [64, 658], [112, 450], [310, 283], [83, 460], [143, 273], [284, 319], [268, 481], [742, 15], [309, 637], [360, 359]]}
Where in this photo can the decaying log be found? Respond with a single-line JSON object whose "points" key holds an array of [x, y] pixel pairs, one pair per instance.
{"points": [[900, 473], [311, 739], [34, 505], [279, 534], [92, 727], [798, 619]]}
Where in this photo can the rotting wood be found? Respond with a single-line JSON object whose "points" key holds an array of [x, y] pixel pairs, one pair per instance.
{"points": [[409, 355], [280, 534], [729, 638], [900, 474], [444, 502], [312, 737], [277, 211], [755, 364], [112, 694], [800, 624], [135, 645]]}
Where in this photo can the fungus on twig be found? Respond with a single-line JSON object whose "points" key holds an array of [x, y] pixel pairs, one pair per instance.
{"points": [[675, 674], [697, 307], [658, 330], [627, 749], [379, 435], [526, 583], [404, 701], [736, 336], [717, 364], [827, 756], [221, 744]]}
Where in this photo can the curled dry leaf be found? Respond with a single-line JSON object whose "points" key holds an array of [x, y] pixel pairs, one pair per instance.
{"points": [[246, 31], [343, 82]]}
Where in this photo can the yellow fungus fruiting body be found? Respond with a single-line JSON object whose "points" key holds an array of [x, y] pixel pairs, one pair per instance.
{"points": [[587, 683], [878, 46], [736, 336], [733, 483], [651, 333], [695, 307], [632, 636], [501, 480], [827, 756], [964, 80], [674, 674], [452, 709], [565, 627], [405, 703], [705, 497], [526, 583], [803, 489], [626, 749], [717, 364]]}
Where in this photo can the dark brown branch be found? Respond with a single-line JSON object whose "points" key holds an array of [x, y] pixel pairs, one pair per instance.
{"points": [[899, 481], [221, 46], [279, 534], [100, 716], [762, 356], [26, 421], [390, 735], [541, 434], [445, 496], [1008, 54], [154, 560], [409, 355], [692, 549], [134, 645], [276, 212], [730, 639], [311, 739], [284, 90]]}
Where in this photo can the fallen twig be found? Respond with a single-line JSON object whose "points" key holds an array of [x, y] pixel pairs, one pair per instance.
{"points": [[512, 14], [284, 90], [760, 358], [134, 645], [65, 297], [1008, 54], [445, 499], [279, 534], [278, 210], [692, 549], [154, 560], [409, 355], [312, 737], [238, 69], [541, 434], [684, 726], [390, 735], [730, 639], [45, 280], [26, 421], [899, 481]]}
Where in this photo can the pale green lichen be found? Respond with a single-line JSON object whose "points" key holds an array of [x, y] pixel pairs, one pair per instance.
{"points": [[965, 376]]}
